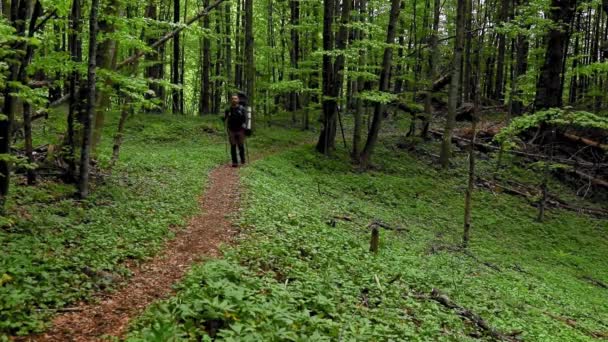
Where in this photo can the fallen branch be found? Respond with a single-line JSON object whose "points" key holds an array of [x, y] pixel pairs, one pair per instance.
{"points": [[586, 141], [595, 282], [486, 263], [552, 201], [573, 324], [488, 147], [444, 300]]}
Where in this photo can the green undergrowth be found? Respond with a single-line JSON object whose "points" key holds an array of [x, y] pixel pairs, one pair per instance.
{"points": [[303, 271], [57, 250]]}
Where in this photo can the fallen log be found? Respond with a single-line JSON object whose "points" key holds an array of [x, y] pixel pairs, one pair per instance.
{"points": [[479, 322], [488, 147], [586, 141], [595, 282], [553, 200]]}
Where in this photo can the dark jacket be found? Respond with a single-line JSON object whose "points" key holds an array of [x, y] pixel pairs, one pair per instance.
{"points": [[236, 118]]}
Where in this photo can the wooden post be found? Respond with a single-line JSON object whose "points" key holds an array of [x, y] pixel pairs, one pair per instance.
{"points": [[373, 245]]}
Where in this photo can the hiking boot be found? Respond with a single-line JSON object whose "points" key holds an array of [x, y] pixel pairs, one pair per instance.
{"points": [[235, 165]]}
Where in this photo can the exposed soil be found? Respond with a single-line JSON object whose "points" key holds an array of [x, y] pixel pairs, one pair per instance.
{"points": [[154, 279]]}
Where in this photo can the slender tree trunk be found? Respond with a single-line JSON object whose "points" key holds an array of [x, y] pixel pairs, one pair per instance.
{"points": [[206, 60], [521, 67], [87, 129], [238, 49], [228, 47], [106, 59], [294, 53], [249, 57], [549, 86], [328, 133], [500, 58], [372, 136], [18, 15], [24, 79], [572, 97], [75, 105], [432, 76], [176, 61], [217, 97], [446, 145], [358, 124]]}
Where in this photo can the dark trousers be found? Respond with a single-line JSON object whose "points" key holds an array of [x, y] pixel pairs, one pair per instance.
{"points": [[237, 139]]}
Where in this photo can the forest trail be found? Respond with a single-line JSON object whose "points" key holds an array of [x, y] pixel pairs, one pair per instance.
{"points": [[154, 279]]}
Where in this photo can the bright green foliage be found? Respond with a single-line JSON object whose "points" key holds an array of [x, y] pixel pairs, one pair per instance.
{"points": [[299, 274], [553, 116]]}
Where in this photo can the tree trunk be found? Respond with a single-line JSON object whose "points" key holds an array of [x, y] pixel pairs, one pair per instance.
{"points": [[358, 124], [154, 70], [294, 53], [249, 58], [432, 68], [18, 16], [446, 145], [372, 136], [205, 99], [521, 67], [228, 47], [500, 58], [176, 98], [87, 129], [27, 108], [75, 105], [106, 59], [327, 137], [549, 86]]}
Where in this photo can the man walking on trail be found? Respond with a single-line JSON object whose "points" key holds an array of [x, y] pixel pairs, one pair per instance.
{"points": [[236, 121]]}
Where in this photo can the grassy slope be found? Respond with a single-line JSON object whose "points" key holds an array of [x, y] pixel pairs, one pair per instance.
{"points": [[295, 277], [48, 238]]}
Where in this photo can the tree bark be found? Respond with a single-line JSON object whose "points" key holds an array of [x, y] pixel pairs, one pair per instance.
{"points": [[87, 129], [205, 98], [372, 136], [446, 145], [106, 59], [294, 53], [327, 137], [175, 73], [18, 14], [249, 58], [549, 86]]}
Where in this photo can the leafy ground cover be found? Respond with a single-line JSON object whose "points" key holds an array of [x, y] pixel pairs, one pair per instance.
{"points": [[56, 250], [299, 273]]}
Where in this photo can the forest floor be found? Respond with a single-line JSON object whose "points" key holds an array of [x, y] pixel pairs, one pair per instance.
{"points": [[300, 267], [154, 279]]}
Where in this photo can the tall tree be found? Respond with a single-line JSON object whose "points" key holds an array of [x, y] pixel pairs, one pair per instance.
{"points": [[177, 105], [549, 86], [372, 136], [18, 15], [249, 57], [87, 124], [205, 98], [454, 91]]}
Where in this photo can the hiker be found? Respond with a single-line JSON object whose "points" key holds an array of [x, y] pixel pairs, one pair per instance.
{"points": [[235, 118]]}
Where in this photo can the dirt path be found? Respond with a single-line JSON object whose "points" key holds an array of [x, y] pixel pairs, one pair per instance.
{"points": [[153, 280]]}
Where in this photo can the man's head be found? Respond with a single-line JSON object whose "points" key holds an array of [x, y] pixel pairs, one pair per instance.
{"points": [[234, 100]]}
